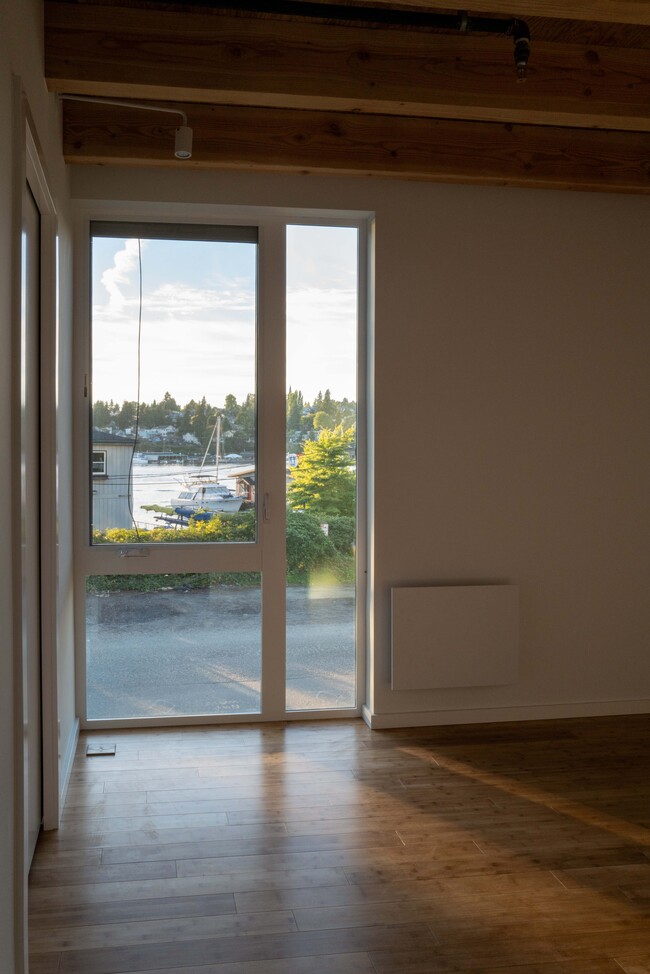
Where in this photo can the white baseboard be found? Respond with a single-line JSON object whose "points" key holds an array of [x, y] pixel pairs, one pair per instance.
{"points": [[68, 761], [435, 718]]}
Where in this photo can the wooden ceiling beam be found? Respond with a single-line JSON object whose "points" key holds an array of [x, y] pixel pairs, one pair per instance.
{"points": [[227, 137], [602, 11], [215, 58]]}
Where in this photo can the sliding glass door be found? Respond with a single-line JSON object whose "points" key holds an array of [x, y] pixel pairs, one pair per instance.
{"points": [[203, 488]]}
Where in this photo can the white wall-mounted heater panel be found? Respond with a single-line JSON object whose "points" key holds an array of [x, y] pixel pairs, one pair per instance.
{"points": [[454, 636]]}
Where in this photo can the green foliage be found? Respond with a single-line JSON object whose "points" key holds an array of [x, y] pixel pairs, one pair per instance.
{"points": [[295, 407], [309, 551], [102, 414], [161, 583], [342, 534], [145, 583], [323, 482], [223, 527], [323, 420], [238, 420], [307, 545], [125, 418]]}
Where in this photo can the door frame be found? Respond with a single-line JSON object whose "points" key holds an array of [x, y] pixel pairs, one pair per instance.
{"points": [[36, 178], [28, 169], [271, 389]]}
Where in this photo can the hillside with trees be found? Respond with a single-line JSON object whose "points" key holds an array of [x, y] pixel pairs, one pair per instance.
{"points": [[191, 425]]}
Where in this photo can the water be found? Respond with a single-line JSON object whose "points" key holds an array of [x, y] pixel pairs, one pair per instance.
{"points": [[157, 484]]}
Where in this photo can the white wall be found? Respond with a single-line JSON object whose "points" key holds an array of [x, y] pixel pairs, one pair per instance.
{"points": [[21, 57], [511, 373], [524, 351]]}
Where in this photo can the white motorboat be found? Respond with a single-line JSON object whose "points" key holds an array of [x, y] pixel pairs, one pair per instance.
{"points": [[204, 492]]}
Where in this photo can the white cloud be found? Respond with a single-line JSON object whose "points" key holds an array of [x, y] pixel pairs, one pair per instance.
{"points": [[322, 341], [174, 298], [124, 263]]}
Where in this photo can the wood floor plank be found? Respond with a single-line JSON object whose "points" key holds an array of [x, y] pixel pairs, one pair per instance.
{"points": [[607, 875], [634, 965], [65, 875], [127, 823], [250, 847], [143, 807], [358, 963], [117, 960], [56, 856], [86, 914], [440, 962], [177, 929], [351, 855], [43, 899], [134, 838], [48, 963]]}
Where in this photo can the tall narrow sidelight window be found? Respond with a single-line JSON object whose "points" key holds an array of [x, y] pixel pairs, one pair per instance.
{"points": [[322, 339]]}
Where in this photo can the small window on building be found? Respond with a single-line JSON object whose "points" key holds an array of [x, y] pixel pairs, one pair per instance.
{"points": [[99, 463]]}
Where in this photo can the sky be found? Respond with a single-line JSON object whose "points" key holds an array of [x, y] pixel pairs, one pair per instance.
{"points": [[198, 316]]}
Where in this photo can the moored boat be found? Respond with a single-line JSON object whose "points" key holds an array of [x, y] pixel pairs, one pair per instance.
{"points": [[204, 492]]}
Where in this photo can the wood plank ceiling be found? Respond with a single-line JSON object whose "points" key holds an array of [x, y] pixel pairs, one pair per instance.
{"points": [[265, 90]]}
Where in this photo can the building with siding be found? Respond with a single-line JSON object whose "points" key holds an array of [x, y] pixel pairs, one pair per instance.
{"points": [[111, 481]]}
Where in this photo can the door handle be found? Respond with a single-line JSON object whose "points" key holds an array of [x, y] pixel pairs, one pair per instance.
{"points": [[266, 508]]}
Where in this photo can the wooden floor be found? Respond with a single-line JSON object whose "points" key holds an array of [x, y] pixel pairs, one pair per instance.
{"points": [[324, 848]]}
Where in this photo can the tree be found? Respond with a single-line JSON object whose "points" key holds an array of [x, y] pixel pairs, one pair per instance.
{"points": [[125, 418], [102, 416], [203, 420], [295, 405], [170, 407], [323, 482], [230, 407], [244, 429], [323, 421]]}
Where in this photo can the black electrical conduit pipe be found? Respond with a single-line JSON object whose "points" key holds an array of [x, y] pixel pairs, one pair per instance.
{"points": [[385, 17]]}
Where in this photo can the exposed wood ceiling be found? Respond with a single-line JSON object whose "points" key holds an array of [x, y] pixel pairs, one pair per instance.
{"points": [[266, 91]]}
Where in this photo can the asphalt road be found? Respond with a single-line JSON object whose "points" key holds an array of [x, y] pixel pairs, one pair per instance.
{"points": [[199, 651]]}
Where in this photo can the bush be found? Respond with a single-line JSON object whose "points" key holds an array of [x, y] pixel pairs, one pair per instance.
{"points": [[223, 527], [308, 550], [307, 546], [342, 534], [146, 583]]}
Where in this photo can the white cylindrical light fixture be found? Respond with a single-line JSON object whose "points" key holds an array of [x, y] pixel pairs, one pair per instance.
{"points": [[183, 147]]}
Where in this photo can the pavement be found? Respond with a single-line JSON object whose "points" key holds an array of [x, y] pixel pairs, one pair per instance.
{"points": [[198, 651]]}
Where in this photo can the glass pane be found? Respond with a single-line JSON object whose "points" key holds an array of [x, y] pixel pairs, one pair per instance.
{"points": [[173, 645], [173, 390], [322, 302]]}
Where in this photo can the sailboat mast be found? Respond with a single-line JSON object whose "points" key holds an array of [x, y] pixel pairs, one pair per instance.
{"points": [[216, 429], [216, 449]]}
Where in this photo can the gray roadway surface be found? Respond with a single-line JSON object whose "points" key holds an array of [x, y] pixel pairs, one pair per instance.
{"points": [[199, 651]]}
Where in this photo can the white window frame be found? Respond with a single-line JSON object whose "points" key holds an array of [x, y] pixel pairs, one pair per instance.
{"points": [[104, 470], [271, 471]]}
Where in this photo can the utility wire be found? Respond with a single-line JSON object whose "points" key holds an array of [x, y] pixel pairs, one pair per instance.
{"points": [[137, 408]]}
